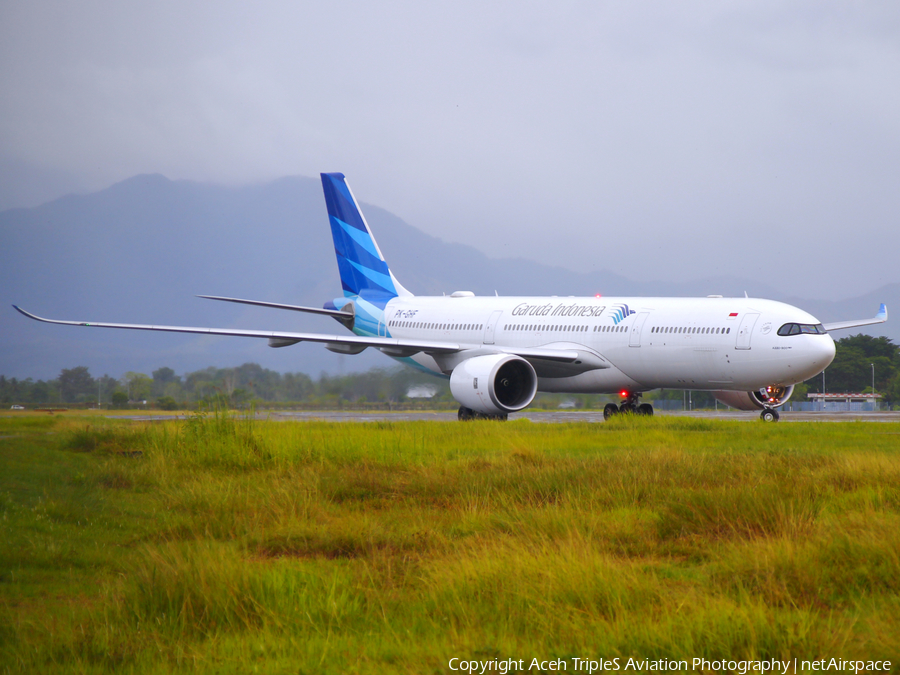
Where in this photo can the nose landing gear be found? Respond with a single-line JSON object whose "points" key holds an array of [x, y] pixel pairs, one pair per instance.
{"points": [[769, 415]]}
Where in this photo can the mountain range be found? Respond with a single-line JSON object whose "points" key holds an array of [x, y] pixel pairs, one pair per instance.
{"points": [[138, 251]]}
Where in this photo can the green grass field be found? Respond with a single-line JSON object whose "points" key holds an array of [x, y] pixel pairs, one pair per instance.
{"points": [[221, 545]]}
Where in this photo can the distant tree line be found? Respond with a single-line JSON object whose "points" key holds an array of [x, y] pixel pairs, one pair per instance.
{"points": [[238, 387], [251, 384]]}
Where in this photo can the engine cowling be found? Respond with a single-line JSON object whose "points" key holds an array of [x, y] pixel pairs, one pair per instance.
{"points": [[773, 396], [494, 384]]}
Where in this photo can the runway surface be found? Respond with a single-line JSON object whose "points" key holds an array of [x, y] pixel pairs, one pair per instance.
{"points": [[548, 417], [584, 416]]}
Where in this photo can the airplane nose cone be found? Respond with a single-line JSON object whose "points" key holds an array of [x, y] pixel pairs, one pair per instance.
{"points": [[816, 355], [820, 353], [828, 350]]}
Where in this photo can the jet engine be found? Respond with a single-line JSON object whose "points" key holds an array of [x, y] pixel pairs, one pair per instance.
{"points": [[495, 384], [773, 396]]}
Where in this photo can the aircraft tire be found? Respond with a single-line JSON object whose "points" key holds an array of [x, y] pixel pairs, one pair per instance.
{"points": [[609, 410], [645, 409], [769, 415], [465, 414]]}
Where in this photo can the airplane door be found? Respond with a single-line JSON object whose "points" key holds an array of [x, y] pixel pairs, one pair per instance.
{"points": [[489, 328], [745, 330], [636, 328]]}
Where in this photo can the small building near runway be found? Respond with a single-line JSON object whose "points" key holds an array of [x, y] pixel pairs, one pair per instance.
{"points": [[867, 402]]}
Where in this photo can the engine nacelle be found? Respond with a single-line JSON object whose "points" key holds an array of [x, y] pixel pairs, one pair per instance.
{"points": [[773, 396], [494, 384]]}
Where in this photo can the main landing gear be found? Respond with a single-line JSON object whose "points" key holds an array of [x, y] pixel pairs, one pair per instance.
{"points": [[467, 415], [769, 415], [629, 405]]}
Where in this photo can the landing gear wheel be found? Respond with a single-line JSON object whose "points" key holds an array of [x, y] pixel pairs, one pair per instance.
{"points": [[632, 404], [467, 415], [610, 410], [769, 415]]}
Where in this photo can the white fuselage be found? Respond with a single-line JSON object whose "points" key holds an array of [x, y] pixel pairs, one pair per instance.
{"points": [[680, 343]]}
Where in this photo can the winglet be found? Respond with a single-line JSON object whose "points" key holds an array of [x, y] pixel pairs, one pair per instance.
{"points": [[40, 318], [881, 317], [29, 315]]}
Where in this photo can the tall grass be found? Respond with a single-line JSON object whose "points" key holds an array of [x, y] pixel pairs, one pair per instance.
{"points": [[222, 544]]}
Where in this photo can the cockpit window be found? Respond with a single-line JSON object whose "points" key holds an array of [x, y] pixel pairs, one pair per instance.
{"points": [[802, 329]]}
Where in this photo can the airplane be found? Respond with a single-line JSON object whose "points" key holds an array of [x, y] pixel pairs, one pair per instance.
{"points": [[498, 352]]}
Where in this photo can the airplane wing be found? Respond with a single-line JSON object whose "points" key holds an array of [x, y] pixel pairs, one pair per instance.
{"points": [[350, 343], [881, 317]]}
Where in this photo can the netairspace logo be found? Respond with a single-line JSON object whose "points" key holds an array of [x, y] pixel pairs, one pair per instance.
{"points": [[579, 665]]}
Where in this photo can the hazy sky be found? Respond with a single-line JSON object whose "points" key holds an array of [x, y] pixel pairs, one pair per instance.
{"points": [[654, 139]]}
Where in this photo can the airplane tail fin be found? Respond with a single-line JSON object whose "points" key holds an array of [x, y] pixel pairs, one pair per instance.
{"points": [[362, 268]]}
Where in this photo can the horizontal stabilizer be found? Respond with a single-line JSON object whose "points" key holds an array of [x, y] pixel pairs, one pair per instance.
{"points": [[276, 305], [881, 317]]}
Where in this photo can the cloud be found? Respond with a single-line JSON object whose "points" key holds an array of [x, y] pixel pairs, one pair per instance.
{"points": [[688, 138]]}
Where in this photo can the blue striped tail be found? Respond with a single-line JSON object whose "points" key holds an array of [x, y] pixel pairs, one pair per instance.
{"points": [[362, 267]]}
